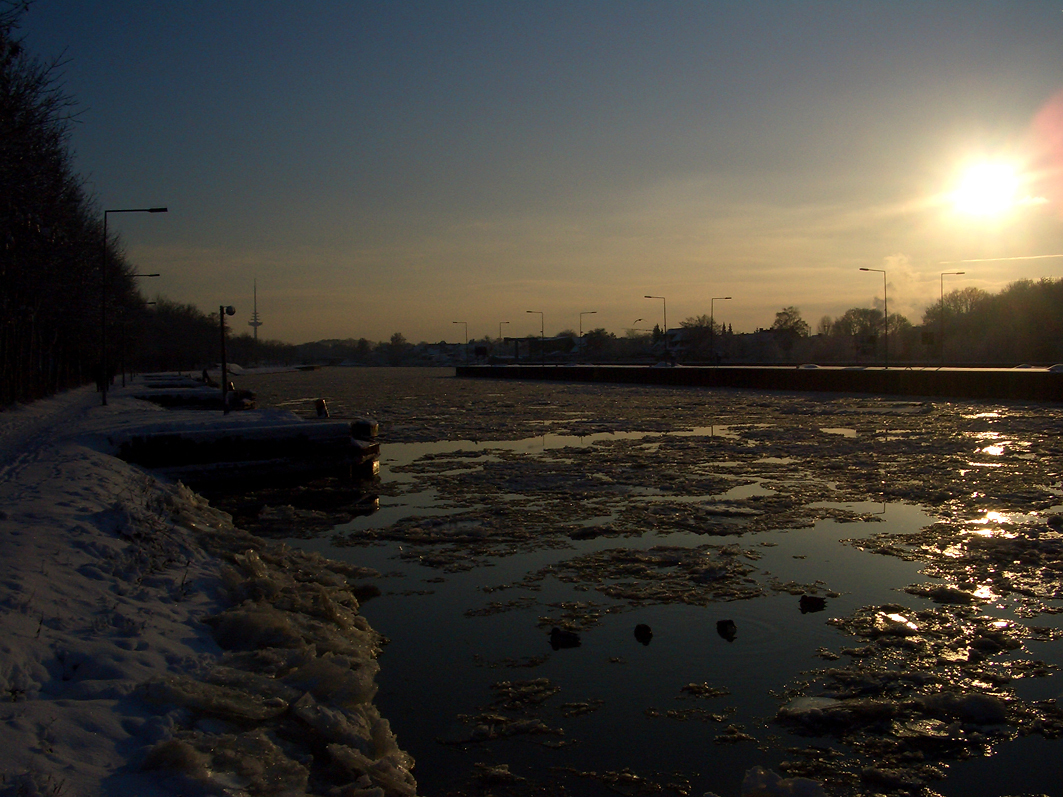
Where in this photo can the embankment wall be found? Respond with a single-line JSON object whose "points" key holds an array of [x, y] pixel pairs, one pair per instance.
{"points": [[1008, 384]]}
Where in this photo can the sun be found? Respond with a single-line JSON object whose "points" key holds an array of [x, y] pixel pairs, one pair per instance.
{"points": [[986, 189]]}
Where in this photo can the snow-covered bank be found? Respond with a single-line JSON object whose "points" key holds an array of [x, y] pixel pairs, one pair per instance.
{"points": [[148, 647]]}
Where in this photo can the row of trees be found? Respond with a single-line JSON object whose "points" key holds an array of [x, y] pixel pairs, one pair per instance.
{"points": [[167, 336], [968, 325], [1022, 323], [51, 241]]}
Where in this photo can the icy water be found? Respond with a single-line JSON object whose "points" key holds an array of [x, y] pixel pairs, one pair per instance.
{"points": [[928, 530]]}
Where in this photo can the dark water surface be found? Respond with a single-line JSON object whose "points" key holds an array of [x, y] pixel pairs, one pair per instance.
{"points": [[461, 457]]}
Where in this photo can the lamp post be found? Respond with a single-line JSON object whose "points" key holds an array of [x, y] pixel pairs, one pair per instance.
{"points": [[941, 313], [588, 312], [466, 323], [104, 376], [500, 323], [885, 312], [664, 302], [542, 335], [712, 327], [222, 312]]}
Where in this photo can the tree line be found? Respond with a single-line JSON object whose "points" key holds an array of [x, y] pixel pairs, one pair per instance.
{"points": [[51, 241], [55, 264], [967, 326]]}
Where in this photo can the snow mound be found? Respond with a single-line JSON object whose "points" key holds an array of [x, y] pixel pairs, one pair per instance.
{"points": [[149, 647]]}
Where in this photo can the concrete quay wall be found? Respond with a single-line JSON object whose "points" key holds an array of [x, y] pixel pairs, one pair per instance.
{"points": [[1023, 384]]}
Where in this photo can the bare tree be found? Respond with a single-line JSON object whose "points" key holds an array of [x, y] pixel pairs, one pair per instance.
{"points": [[789, 320]]}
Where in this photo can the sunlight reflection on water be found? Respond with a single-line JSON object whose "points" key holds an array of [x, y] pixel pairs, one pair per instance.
{"points": [[446, 652], [424, 614]]}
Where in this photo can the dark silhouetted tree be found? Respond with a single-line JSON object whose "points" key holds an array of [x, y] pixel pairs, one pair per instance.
{"points": [[788, 320]]}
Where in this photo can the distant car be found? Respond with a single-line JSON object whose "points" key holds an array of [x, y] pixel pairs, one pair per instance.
{"points": [[1056, 369], [1024, 365], [808, 365]]}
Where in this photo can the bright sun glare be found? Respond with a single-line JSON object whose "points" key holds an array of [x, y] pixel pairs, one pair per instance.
{"points": [[986, 189]]}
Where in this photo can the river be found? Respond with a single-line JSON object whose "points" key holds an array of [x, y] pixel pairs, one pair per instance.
{"points": [[859, 590]]}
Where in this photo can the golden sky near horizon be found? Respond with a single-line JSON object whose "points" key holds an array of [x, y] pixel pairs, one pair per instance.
{"points": [[396, 167]]}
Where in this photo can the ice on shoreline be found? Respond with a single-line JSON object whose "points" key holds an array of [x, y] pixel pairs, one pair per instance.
{"points": [[149, 647]]}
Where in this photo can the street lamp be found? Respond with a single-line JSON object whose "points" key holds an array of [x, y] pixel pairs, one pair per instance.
{"points": [[500, 323], [466, 323], [588, 312], [941, 313], [104, 376], [885, 311], [665, 303], [542, 335], [223, 311], [712, 327]]}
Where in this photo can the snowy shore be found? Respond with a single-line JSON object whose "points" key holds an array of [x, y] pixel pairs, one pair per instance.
{"points": [[149, 647]]}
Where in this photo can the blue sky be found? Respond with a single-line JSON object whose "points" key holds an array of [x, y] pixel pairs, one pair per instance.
{"points": [[387, 167]]}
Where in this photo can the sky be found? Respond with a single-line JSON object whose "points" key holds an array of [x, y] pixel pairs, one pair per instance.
{"points": [[381, 167]]}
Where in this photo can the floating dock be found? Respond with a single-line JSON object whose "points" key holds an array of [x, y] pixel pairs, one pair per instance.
{"points": [[184, 392], [256, 454]]}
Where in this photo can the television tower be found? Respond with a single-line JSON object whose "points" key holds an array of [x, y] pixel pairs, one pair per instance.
{"points": [[254, 322]]}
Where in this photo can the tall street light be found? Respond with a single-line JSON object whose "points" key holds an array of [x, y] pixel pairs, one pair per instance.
{"points": [[104, 375], [665, 303], [588, 312], [542, 335], [500, 323], [885, 311], [941, 313], [466, 323], [712, 327]]}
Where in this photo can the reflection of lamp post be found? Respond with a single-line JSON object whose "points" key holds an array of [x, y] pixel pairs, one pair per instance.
{"points": [[466, 323], [222, 312], [941, 313], [885, 311], [588, 312], [104, 376], [712, 328], [542, 335], [665, 304]]}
